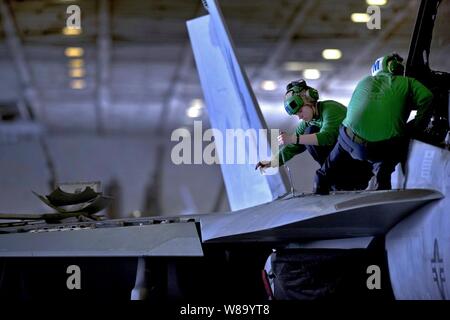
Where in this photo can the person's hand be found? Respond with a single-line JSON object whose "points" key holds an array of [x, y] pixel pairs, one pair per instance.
{"points": [[263, 164], [285, 138]]}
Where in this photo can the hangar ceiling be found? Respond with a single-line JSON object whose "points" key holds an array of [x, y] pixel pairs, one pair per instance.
{"points": [[136, 74]]}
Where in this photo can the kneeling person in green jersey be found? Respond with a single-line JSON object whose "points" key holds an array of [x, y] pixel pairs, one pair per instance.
{"points": [[374, 129], [317, 132]]}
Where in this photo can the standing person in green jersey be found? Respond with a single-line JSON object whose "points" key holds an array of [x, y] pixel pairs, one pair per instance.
{"points": [[317, 132], [374, 129]]}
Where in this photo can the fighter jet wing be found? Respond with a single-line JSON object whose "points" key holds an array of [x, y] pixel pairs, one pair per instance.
{"points": [[341, 215], [337, 216], [174, 240], [22, 216]]}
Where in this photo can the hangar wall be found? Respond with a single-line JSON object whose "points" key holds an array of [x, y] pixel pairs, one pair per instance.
{"points": [[86, 158]]}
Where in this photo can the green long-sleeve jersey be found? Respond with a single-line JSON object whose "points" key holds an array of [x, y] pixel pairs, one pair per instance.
{"points": [[329, 118], [379, 107]]}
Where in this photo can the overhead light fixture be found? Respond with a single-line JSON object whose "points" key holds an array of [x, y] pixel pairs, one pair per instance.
{"points": [[77, 72], [196, 104], [311, 74], [293, 66], [269, 85], [74, 52], [193, 112], [76, 63], [360, 17], [70, 31], [195, 108], [376, 2], [78, 84], [136, 214], [300, 66], [332, 54]]}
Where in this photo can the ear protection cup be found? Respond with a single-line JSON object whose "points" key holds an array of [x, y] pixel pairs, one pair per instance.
{"points": [[294, 102], [395, 67], [312, 93]]}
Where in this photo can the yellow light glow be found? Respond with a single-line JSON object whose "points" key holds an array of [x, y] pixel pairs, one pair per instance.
{"points": [[269, 85], [77, 72], [376, 2], [74, 52], [71, 31], [300, 66], [136, 214], [78, 84], [196, 104], [193, 112], [76, 63], [293, 66], [311, 74], [360, 17], [332, 54]]}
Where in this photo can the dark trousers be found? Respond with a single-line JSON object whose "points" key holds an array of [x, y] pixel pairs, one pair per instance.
{"points": [[382, 157], [319, 153], [361, 171]]}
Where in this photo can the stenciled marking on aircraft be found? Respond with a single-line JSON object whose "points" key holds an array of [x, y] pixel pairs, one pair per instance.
{"points": [[438, 270], [427, 164]]}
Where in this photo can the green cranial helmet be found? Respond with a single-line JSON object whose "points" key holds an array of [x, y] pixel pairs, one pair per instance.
{"points": [[293, 100], [392, 63]]}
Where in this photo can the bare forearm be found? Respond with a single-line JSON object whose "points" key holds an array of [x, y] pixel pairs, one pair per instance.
{"points": [[305, 139], [309, 139]]}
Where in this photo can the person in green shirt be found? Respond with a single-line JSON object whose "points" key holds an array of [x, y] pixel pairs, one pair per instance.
{"points": [[317, 131], [375, 129]]}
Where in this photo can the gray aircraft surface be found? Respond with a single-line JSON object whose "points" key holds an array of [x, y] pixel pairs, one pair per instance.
{"points": [[221, 255]]}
